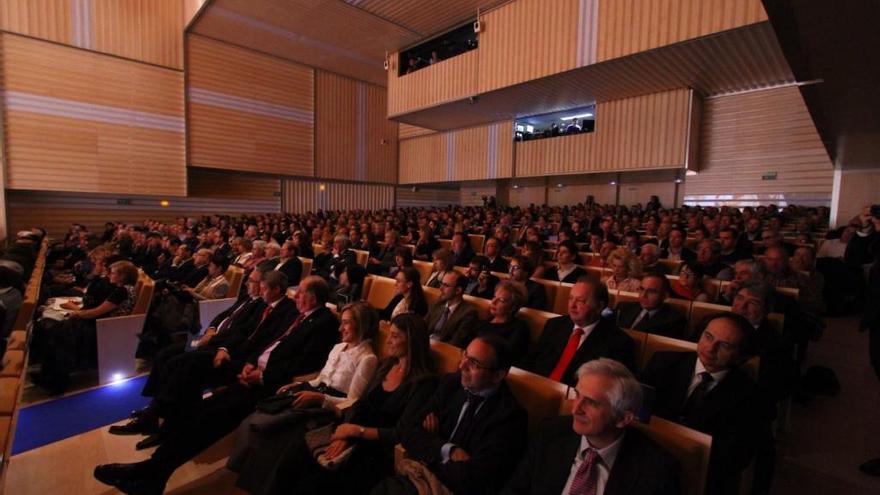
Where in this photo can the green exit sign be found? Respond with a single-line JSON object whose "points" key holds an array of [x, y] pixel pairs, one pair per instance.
{"points": [[123, 201], [769, 176]]}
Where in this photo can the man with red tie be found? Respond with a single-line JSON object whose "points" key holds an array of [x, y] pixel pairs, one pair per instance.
{"points": [[595, 451], [580, 336], [299, 349]]}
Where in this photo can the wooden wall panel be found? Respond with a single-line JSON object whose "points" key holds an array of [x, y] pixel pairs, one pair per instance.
{"points": [[115, 125], [476, 153], [145, 30], [528, 39], [223, 184], [57, 210], [354, 138], [644, 132], [406, 131], [190, 9], [448, 80], [746, 136], [627, 27], [248, 112], [300, 196], [426, 197]]}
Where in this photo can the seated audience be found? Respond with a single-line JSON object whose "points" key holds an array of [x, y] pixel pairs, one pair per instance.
{"points": [[676, 250], [626, 271], [402, 259], [426, 244], [492, 251], [651, 313], [689, 285], [565, 270], [289, 263], [408, 295], [443, 264], [649, 255], [536, 256], [509, 298], [580, 336], [451, 319], [596, 446], [214, 285], [708, 260], [480, 281], [461, 249], [521, 271]]}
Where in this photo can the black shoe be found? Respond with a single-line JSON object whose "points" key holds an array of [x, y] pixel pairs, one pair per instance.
{"points": [[149, 409], [151, 441], [133, 479], [871, 468], [144, 425]]}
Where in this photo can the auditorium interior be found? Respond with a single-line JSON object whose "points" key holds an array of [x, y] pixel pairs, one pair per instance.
{"points": [[390, 246]]}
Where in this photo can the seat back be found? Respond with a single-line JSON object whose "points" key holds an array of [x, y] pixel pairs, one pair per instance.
{"points": [[477, 241], [712, 287], [446, 356], [317, 248], [381, 292], [541, 397], [144, 297], [655, 343], [682, 307], [425, 268], [700, 310], [210, 308], [235, 277], [673, 266], [640, 340], [560, 298], [535, 319], [445, 243], [117, 340], [432, 294], [307, 266], [624, 296], [789, 291], [481, 304], [362, 257], [690, 447]]}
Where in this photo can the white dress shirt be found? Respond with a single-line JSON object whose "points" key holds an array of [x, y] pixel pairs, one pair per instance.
{"points": [[348, 369], [604, 463], [698, 369]]}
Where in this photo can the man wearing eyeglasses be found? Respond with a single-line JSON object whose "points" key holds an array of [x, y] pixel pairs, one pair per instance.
{"points": [[452, 319], [473, 431], [595, 450], [706, 390]]}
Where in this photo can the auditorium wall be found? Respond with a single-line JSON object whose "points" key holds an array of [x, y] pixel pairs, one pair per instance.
{"points": [[853, 189], [758, 148], [303, 195], [426, 197]]}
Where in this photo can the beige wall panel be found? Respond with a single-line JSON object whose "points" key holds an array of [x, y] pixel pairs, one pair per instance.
{"points": [[426, 197], [218, 184], [354, 139], [190, 9], [56, 211], [423, 159], [631, 26], [406, 131], [472, 194], [307, 195], [46, 19], [855, 188], [46, 69], [525, 40], [92, 156], [448, 80], [299, 196], [523, 196], [145, 30], [746, 136], [640, 192], [644, 132], [577, 193], [249, 112]]}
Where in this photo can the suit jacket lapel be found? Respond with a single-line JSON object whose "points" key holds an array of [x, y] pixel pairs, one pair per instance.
{"points": [[625, 473], [562, 452]]}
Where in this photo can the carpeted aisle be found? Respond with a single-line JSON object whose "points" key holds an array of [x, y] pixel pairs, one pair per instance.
{"points": [[54, 420]]}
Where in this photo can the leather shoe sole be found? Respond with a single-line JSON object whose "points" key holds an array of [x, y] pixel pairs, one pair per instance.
{"points": [[151, 441]]}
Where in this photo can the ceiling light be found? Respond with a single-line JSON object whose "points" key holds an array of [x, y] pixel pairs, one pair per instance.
{"points": [[613, 183], [579, 116], [559, 185], [691, 172], [678, 180]]}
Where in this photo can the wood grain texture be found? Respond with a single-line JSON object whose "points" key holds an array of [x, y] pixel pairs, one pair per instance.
{"points": [[144, 30], [745, 136], [354, 139], [223, 184], [632, 26], [126, 137], [405, 131], [300, 196], [249, 112], [476, 153], [425, 16], [448, 80], [645, 132], [525, 40], [426, 197]]}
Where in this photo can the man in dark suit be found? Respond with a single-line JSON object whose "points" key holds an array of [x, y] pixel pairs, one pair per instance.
{"points": [[302, 348], [452, 319], [649, 254], [492, 250], [596, 446], [651, 313], [461, 249], [289, 264], [675, 249], [583, 335], [473, 431], [340, 258], [706, 390], [521, 271]]}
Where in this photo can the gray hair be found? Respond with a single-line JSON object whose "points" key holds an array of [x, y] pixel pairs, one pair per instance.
{"points": [[625, 394], [655, 249], [756, 269], [343, 239], [761, 290]]}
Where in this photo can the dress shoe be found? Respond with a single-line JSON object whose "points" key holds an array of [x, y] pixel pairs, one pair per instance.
{"points": [[143, 425], [151, 441], [133, 479], [149, 409]]}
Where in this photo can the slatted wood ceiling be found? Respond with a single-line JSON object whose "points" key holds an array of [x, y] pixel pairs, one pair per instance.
{"points": [[425, 16], [639, 25], [745, 136], [116, 125], [406, 131], [145, 30], [247, 111], [644, 132], [351, 128], [477, 153]]}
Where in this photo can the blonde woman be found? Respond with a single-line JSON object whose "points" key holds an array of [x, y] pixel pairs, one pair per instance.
{"points": [[626, 272]]}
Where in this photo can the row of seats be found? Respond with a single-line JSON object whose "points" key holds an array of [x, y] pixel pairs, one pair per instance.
{"points": [[14, 363]]}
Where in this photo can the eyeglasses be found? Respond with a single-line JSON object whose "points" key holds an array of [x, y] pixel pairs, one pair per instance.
{"points": [[471, 362]]}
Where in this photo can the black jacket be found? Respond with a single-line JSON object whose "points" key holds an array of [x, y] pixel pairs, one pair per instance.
{"points": [[666, 321]]}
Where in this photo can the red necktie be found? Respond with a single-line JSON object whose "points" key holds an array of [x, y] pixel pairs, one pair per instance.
{"points": [[265, 314], [586, 479], [570, 348]]}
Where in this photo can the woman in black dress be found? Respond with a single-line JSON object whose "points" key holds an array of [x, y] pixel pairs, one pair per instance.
{"points": [[509, 297], [408, 298]]}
